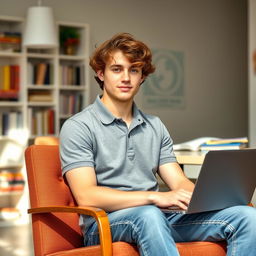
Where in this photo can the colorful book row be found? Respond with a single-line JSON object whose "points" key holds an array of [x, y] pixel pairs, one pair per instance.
{"points": [[71, 103], [10, 41], [10, 121], [40, 73], [72, 75], [9, 82], [41, 121], [11, 181]]}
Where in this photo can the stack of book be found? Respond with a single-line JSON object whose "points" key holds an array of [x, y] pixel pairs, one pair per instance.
{"points": [[211, 143], [11, 181], [10, 41], [40, 96], [224, 144], [9, 213]]}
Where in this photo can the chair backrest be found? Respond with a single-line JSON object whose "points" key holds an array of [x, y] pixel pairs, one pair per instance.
{"points": [[46, 140], [54, 231]]}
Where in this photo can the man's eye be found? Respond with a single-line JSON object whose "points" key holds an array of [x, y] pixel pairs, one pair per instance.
{"points": [[116, 70], [135, 70]]}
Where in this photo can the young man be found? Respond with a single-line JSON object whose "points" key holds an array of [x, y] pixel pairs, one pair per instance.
{"points": [[111, 152]]}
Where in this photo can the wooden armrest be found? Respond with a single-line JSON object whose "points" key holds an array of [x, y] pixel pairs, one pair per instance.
{"points": [[99, 214]]}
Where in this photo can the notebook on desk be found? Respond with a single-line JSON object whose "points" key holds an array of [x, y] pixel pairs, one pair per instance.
{"points": [[227, 178]]}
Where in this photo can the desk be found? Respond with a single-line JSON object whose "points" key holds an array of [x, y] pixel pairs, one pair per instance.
{"points": [[190, 157], [191, 162]]}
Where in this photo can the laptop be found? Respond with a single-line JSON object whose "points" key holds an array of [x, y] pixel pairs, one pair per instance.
{"points": [[227, 178]]}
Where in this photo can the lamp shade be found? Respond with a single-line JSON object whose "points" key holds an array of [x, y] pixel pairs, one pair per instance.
{"points": [[40, 30]]}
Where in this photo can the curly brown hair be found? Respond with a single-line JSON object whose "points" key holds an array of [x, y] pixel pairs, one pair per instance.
{"points": [[135, 51]]}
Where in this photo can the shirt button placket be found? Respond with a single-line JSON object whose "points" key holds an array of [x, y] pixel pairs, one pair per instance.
{"points": [[130, 150]]}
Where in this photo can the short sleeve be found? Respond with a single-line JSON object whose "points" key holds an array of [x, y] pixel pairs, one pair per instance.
{"points": [[166, 152], [76, 146]]}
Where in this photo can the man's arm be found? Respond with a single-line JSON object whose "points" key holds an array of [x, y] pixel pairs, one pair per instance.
{"points": [[181, 187], [174, 177], [82, 182]]}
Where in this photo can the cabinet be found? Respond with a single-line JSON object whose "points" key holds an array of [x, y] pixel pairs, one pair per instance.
{"points": [[39, 90], [13, 134], [73, 72], [57, 81]]}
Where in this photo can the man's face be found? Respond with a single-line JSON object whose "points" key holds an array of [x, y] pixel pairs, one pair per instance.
{"points": [[121, 78]]}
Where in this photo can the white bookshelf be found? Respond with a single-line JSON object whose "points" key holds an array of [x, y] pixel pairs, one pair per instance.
{"points": [[36, 112]]}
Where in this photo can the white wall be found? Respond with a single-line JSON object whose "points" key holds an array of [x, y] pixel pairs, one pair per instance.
{"points": [[212, 35], [252, 75]]}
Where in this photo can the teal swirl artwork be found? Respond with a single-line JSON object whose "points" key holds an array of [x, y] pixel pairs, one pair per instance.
{"points": [[165, 87]]}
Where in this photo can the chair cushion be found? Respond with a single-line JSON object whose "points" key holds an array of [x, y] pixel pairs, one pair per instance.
{"points": [[202, 249], [119, 249], [125, 249]]}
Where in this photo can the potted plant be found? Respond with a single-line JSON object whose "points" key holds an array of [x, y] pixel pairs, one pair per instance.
{"points": [[69, 39]]}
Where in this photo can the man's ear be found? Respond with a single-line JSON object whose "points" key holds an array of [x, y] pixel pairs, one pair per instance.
{"points": [[142, 80], [100, 75]]}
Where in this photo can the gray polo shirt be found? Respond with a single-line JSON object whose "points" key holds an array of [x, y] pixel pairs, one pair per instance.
{"points": [[124, 158]]}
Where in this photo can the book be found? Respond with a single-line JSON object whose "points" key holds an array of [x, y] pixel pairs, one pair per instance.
{"points": [[223, 146], [7, 80], [15, 73], [1, 77], [47, 78], [30, 121], [41, 72], [12, 125], [18, 182], [78, 75], [5, 123], [39, 122], [50, 120], [37, 96], [212, 143], [6, 178], [193, 145], [227, 141], [1, 123], [9, 95], [30, 73]]}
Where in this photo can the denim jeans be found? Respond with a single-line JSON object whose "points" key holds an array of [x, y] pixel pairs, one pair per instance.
{"points": [[155, 232]]}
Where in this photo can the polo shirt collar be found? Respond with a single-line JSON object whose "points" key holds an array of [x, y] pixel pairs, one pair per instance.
{"points": [[107, 117], [137, 117]]}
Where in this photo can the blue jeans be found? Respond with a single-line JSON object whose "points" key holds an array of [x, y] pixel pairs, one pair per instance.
{"points": [[155, 232]]}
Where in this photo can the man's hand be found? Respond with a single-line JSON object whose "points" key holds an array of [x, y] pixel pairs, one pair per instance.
{"points": [[179, 198]]}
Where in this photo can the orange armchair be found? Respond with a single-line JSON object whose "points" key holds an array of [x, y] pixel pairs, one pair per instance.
{"points": [[46, 140], [55, 215]]}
